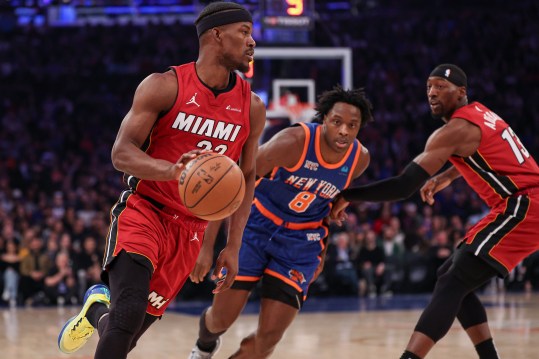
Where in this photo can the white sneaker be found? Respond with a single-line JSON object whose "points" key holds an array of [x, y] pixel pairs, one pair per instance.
{"points": [[196, 353]]}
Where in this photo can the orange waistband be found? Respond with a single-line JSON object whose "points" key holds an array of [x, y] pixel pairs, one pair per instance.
{"points": [[279, 221]]}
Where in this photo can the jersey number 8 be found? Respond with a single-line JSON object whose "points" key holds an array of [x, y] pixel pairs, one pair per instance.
{"points": [[301, 202]]}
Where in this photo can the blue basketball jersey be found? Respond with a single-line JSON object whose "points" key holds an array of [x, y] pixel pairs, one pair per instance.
{"points": [[303, 193]]}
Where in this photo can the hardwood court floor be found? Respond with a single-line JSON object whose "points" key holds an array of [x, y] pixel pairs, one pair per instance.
{"points": [[31, 333]]}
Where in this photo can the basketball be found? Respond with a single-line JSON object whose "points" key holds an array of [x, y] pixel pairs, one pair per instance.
{"points": [[211, 186]]}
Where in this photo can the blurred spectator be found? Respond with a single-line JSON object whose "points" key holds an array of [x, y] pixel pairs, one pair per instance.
{"points": [[383, 220], [10, 267], [370, 265], [87, 265], [52, 247], [9, 234], [65, 245], [440, 249], [392, 243], [60, 283], [339, 266], [34, 266]]}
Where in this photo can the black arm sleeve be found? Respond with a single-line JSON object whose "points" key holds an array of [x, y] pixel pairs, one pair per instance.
{"points": [[391, 189]]}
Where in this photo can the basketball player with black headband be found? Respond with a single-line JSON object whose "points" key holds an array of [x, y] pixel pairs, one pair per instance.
{"points": [[485, 151], [175, 115], [284, 245]]}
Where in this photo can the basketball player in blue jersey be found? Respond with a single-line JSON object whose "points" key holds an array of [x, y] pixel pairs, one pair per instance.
{"points": [[283, 242]]}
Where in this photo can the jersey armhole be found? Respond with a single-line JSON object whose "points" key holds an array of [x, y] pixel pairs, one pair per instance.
{"points": [[301, 159], [177, 98], [354, 163]]}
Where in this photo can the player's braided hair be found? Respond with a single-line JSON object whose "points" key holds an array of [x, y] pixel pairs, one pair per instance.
{"points": [[354, 97]]}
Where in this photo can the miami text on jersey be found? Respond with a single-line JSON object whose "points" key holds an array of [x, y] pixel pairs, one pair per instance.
{"points": [[206, 127]]}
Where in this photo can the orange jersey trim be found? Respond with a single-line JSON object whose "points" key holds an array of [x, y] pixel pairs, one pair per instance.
{"points": [[279, 221], [354, 164], [305, 149], [288, 281], [246, 278]]}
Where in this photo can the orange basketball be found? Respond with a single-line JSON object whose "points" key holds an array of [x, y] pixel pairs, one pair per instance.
{"points": [[211, 186]]}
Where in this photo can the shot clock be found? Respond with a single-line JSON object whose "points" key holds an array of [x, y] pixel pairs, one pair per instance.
{"points": [[287, 21]]}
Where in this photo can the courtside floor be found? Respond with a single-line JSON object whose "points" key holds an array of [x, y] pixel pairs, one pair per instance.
{"points": [[330, 328]]}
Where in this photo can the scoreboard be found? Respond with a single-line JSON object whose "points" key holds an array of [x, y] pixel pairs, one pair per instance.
{"points": [[287, 21], [277, 22]]}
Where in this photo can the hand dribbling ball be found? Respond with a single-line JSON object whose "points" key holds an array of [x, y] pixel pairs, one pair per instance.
{"points": [[211, 186]]}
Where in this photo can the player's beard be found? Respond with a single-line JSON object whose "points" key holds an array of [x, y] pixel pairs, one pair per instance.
{"points": [[242, 68], [437, 116]]}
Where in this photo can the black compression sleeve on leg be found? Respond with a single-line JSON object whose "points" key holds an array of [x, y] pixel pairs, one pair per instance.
{"points": [[206, 339], [438, 316], [148, 321], [409, 355], [472, 312], [487, 350], [452, 289], [391, 189], [95, 312], [129, 283]]}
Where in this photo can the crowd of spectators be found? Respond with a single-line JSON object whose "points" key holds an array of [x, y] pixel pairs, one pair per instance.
{"points": [[64, 91]]}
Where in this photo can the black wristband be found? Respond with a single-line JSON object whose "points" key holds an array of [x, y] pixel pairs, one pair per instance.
{"points": [[391, 189]]}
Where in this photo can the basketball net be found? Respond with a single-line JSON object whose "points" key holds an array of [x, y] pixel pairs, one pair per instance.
{"points": [[301, 112], [296, 110]]}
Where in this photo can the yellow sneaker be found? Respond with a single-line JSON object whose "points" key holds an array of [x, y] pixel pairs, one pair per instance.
{"points": [[78, 329]]}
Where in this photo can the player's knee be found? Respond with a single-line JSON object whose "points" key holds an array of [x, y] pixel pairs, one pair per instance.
{"points": [[269, 338], [129, 310], [259, 345], [449, 282]]}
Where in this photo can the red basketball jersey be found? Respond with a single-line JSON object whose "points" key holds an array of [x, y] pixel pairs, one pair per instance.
{"points": [[198, 120], [501, 166]]}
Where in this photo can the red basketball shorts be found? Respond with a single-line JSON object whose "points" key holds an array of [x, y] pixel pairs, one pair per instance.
{"points": [[508, 234], [170, 241]]}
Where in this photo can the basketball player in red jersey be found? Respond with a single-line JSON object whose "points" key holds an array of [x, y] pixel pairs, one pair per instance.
{"points": [[487, 153], [153, 241]]}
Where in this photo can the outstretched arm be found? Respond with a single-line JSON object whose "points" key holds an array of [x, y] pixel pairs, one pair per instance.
{"points": [[391, 189], [458, 137]]}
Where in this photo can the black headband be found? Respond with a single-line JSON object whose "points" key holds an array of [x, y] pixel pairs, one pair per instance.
{"points": [[224, 17], [451, 73]]}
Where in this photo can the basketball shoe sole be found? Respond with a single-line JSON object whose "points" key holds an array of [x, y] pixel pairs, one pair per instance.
{"points": [[196, 353], [78, 329]]}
